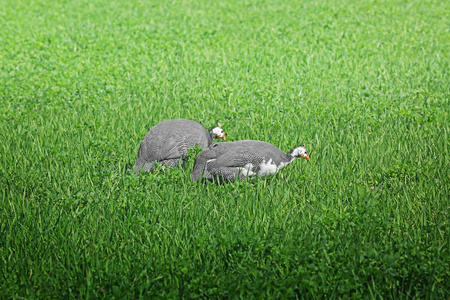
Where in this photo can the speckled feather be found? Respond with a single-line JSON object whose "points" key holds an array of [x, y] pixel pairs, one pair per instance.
{"points": [[168, 141], [226, 160]]}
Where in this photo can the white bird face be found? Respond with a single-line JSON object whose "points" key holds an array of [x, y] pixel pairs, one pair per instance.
{"points": [[300, 152], [218, 133]]}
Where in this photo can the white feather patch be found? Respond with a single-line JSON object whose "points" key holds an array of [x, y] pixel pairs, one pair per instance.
{"points": [[247, 170], [268, 168]]}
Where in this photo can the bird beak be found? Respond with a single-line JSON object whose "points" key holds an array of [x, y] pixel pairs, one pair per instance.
{"points": [[223, 137], [305, 156]]}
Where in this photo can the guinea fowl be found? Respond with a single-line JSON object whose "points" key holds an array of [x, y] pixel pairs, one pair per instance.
{"points": [[242, 159], [169, 140]]}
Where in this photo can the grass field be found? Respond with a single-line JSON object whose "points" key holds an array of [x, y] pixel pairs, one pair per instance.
{"points": [[364, 84]]}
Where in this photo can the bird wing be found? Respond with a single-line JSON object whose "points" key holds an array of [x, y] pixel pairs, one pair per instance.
{"points": [[237, 156], [171, 149]]}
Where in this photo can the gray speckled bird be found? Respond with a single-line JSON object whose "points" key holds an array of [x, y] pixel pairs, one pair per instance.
{"points": [[169, 140], [243, 159]]}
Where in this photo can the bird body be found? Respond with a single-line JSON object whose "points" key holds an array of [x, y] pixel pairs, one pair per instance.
{"points": [[243, 159], [168, 142]]}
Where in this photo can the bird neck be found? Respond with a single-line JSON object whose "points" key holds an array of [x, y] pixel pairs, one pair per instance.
{"points": [[211, 136], [291, 155], [287, 161]]}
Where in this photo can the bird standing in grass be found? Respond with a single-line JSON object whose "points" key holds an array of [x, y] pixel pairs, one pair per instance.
{"points": [[168, 142], [243, 159]]}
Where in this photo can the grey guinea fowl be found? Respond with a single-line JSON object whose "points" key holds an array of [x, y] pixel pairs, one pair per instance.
{"points": [[169, 140], [242, 159]]}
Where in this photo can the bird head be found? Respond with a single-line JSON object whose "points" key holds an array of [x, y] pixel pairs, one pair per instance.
{"points": [[300, 151], [217, 132]]}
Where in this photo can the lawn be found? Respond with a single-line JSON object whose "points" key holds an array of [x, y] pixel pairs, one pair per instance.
{"points": [[364, 84]]}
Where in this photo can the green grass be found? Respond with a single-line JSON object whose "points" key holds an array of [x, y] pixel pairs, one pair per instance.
{"points": [[364, 84]]}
